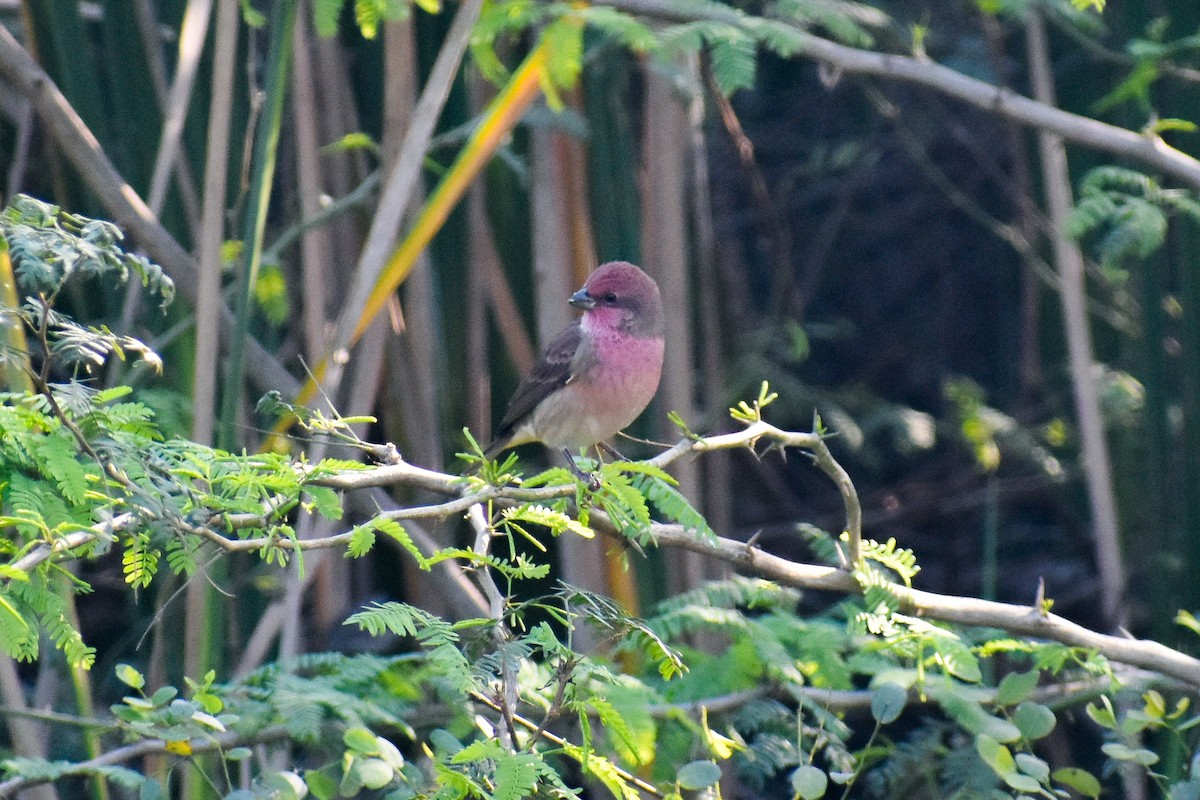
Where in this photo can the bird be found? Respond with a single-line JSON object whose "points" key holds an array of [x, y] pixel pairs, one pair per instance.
{"points": [[598, 374]]}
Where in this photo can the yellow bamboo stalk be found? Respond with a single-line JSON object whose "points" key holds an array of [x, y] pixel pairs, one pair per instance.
{"points": [[501, 117], [15, 372]]}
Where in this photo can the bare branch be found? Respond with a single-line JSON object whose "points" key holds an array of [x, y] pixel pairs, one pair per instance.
{"points": [[1032, 620], [148, 747], [1146, 149]]}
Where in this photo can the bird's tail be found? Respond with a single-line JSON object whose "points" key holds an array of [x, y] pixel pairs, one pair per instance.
{"points": [[497, 445]]}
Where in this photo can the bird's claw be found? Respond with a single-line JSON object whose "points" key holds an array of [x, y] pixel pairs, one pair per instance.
{"points": [[592, 479]]}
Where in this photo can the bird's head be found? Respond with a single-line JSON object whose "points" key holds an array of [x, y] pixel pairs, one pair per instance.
{"points": [[620, 296]]}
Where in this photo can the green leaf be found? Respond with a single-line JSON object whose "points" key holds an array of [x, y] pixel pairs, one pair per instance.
{"points": [[362, 539], [1102, 715], [733, 59], [516, 776], [361, 741], [697, 775], [374, 772], [1078, 779], [1034, 720], [321, 785], [130, 676], [563, 39], [809, 782], [968, 713], [995, 755], [1033, 766], [1016, 686], [887, 702], [324, 501]]}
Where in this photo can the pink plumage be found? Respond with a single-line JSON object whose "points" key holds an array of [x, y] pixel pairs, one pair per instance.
{"points": [[599, 373]]}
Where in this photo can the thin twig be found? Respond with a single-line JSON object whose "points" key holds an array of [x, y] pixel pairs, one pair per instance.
{"points": [[1031, 620], [148, 747], [530, 725]]}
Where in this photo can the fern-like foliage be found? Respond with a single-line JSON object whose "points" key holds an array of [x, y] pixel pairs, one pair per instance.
{"points": [[1128, 212], [436, 636], [49, 245]]}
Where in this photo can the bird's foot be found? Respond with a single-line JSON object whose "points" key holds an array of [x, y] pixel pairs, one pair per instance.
{"points": [[592, 479]]}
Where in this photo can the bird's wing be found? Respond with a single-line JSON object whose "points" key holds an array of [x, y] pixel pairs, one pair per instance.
{"points": [[552, 372]]}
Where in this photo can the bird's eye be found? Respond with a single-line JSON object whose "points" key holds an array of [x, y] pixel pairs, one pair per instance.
{"points": [[610, 297]]}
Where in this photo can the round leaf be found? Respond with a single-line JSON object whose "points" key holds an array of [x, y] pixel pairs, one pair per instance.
{"points": [[809, 782], [390, 753], [1022, 783], [1033, 766], [374, 773], [294, 783], [164, 695], [698, 775], [1078, 779], [320, 785], [1145, 757], [1016, 686], [130, 676], [1102, 715], [360, 740], [887, 701], [1034, 720], [1000, 729], [995, 755], [1117, 751]]}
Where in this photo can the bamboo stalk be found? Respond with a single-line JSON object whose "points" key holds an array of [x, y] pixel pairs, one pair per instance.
{"points": [[315, 246], [1096, 460], [283, 17], [665, 256]]}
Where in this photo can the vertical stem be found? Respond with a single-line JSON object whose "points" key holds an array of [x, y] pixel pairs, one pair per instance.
{"points": [[665, 256], [1069, 259], [27, 737], [208, 299], [198, 624], [315, 244], [283, 17], [15, 371], [81, 682], [991, 539]]}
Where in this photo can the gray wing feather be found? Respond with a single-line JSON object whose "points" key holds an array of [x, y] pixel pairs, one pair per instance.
{"points": [[552, 372]]}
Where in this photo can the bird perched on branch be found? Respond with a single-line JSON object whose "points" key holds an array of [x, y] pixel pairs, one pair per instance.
{"points": [[598, 374]]}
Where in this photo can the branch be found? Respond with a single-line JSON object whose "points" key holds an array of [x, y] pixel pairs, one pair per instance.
{"points": [[148, 747], [1021, 620], [1146, 149]]}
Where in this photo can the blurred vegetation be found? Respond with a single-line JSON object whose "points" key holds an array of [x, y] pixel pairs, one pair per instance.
{"points": [[880, 252]]}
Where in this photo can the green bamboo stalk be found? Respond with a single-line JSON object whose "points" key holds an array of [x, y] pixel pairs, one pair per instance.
{"points": [[85, 706], [283, 18]]}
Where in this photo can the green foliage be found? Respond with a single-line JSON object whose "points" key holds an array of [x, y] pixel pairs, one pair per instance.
{"points": [[49, 246], [493, 706], [368, 14], [1128, 213]]}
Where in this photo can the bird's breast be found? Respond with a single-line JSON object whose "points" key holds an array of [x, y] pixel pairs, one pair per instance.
{"points": [[608, 392]]}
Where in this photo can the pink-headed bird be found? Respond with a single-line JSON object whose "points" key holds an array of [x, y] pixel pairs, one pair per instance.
{"points": [[599, 373]]}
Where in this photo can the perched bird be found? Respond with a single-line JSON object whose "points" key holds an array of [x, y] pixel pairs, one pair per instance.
{"points": [[599, 373]]}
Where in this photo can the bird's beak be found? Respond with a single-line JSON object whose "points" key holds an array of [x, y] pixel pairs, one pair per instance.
{"points": [[582, 299]]}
